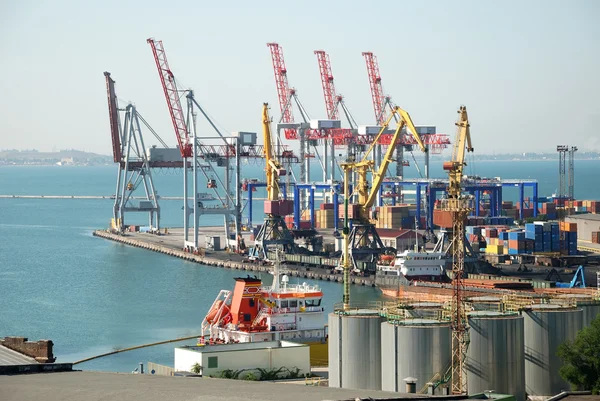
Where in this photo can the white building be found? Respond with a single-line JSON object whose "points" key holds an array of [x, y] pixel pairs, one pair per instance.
{"points": [[267, 355]]}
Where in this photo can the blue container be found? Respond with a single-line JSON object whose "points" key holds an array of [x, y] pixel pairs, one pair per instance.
{"points": [[503, 236], [539, 247], [547, 236], [512, 251], [515, 235], [494, 221], [555, 247], [407, 222]]}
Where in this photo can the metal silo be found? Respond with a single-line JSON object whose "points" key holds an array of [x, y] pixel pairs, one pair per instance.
{"points": [[419, 348], [546, 327], [589, 305], [355, 349], [495, 356]]}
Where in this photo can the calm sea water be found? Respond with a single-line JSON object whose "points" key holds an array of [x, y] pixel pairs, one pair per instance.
{"points": [[91, 296]]}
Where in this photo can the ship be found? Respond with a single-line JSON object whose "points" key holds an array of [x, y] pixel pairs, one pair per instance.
{"points": [[410, 266], [255, 313]]}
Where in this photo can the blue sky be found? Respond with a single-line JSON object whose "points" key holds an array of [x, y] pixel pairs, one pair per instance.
{"points": [[528, 72]]}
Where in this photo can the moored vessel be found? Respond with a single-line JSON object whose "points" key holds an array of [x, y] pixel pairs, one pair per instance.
{"points": [[283, 311]]}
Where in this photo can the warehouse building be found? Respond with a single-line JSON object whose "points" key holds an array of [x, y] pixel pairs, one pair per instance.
{"points": [[586, 225]]}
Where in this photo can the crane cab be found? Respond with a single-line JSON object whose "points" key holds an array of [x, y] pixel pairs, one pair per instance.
{"points": [[212, 183]]}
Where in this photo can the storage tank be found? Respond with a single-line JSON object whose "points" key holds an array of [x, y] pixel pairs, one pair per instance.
{"points": [[419, 348], [546, 327], [495, 356], [590, 306], [355, 349]]}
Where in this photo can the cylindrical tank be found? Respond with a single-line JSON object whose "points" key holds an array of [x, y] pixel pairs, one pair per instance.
{"points": [[355, 349], [417, 348], [546, 327], [495, 356], [590, 306]]}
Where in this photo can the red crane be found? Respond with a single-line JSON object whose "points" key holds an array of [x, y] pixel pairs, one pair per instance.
{"points": [[172, 95], [331, 97], [379, 99], [284, 93]]}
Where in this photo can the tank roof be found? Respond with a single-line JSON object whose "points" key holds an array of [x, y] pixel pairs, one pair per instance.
{"points": [[551, 308], [485, 314], [420, 322]]}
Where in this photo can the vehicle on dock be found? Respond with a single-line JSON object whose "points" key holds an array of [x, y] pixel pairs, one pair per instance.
{"points": [[282, 311]]}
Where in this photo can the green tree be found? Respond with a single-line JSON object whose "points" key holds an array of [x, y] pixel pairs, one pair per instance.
{"points": [[581, 359], [196, 368]]}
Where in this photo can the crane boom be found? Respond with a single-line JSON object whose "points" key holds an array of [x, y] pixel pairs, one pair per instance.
{"points": [[283, 89], [404, 121], [377, 95], [331, 97], [113, 114], [455, 167], [366, 197], [172, 96], [273, 168]]}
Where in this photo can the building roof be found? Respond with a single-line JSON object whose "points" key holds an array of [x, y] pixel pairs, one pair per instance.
{"points": [[395, 233], [586, 216], [88, 386], [8, 357]]}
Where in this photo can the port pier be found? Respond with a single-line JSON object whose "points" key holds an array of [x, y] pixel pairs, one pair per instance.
{"points": [[169, 244]]}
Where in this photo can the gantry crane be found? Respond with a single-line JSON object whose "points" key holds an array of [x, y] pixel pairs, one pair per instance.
{"points": [[273, 232], [363, 242], [453, 211], [134, 163], [192, 150]]}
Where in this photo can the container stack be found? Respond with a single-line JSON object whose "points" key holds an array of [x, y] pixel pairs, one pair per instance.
{"points": [[549, 209], [569, 247], [400, 216], [595, 237], [591, 206], [325, 216], [516, 242]]}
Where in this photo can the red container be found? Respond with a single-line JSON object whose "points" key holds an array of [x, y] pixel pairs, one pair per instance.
{"points": [[326, 206], [286, 207], [305, 225], [516, 244], [272, 207]]}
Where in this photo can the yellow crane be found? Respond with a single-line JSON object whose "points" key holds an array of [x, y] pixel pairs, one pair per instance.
{"points": [[458, 207], [364, 242], [273, 233], [272, 165]]}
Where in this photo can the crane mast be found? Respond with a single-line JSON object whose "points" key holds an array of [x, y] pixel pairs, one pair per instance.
{"points": [[459, 207]]}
